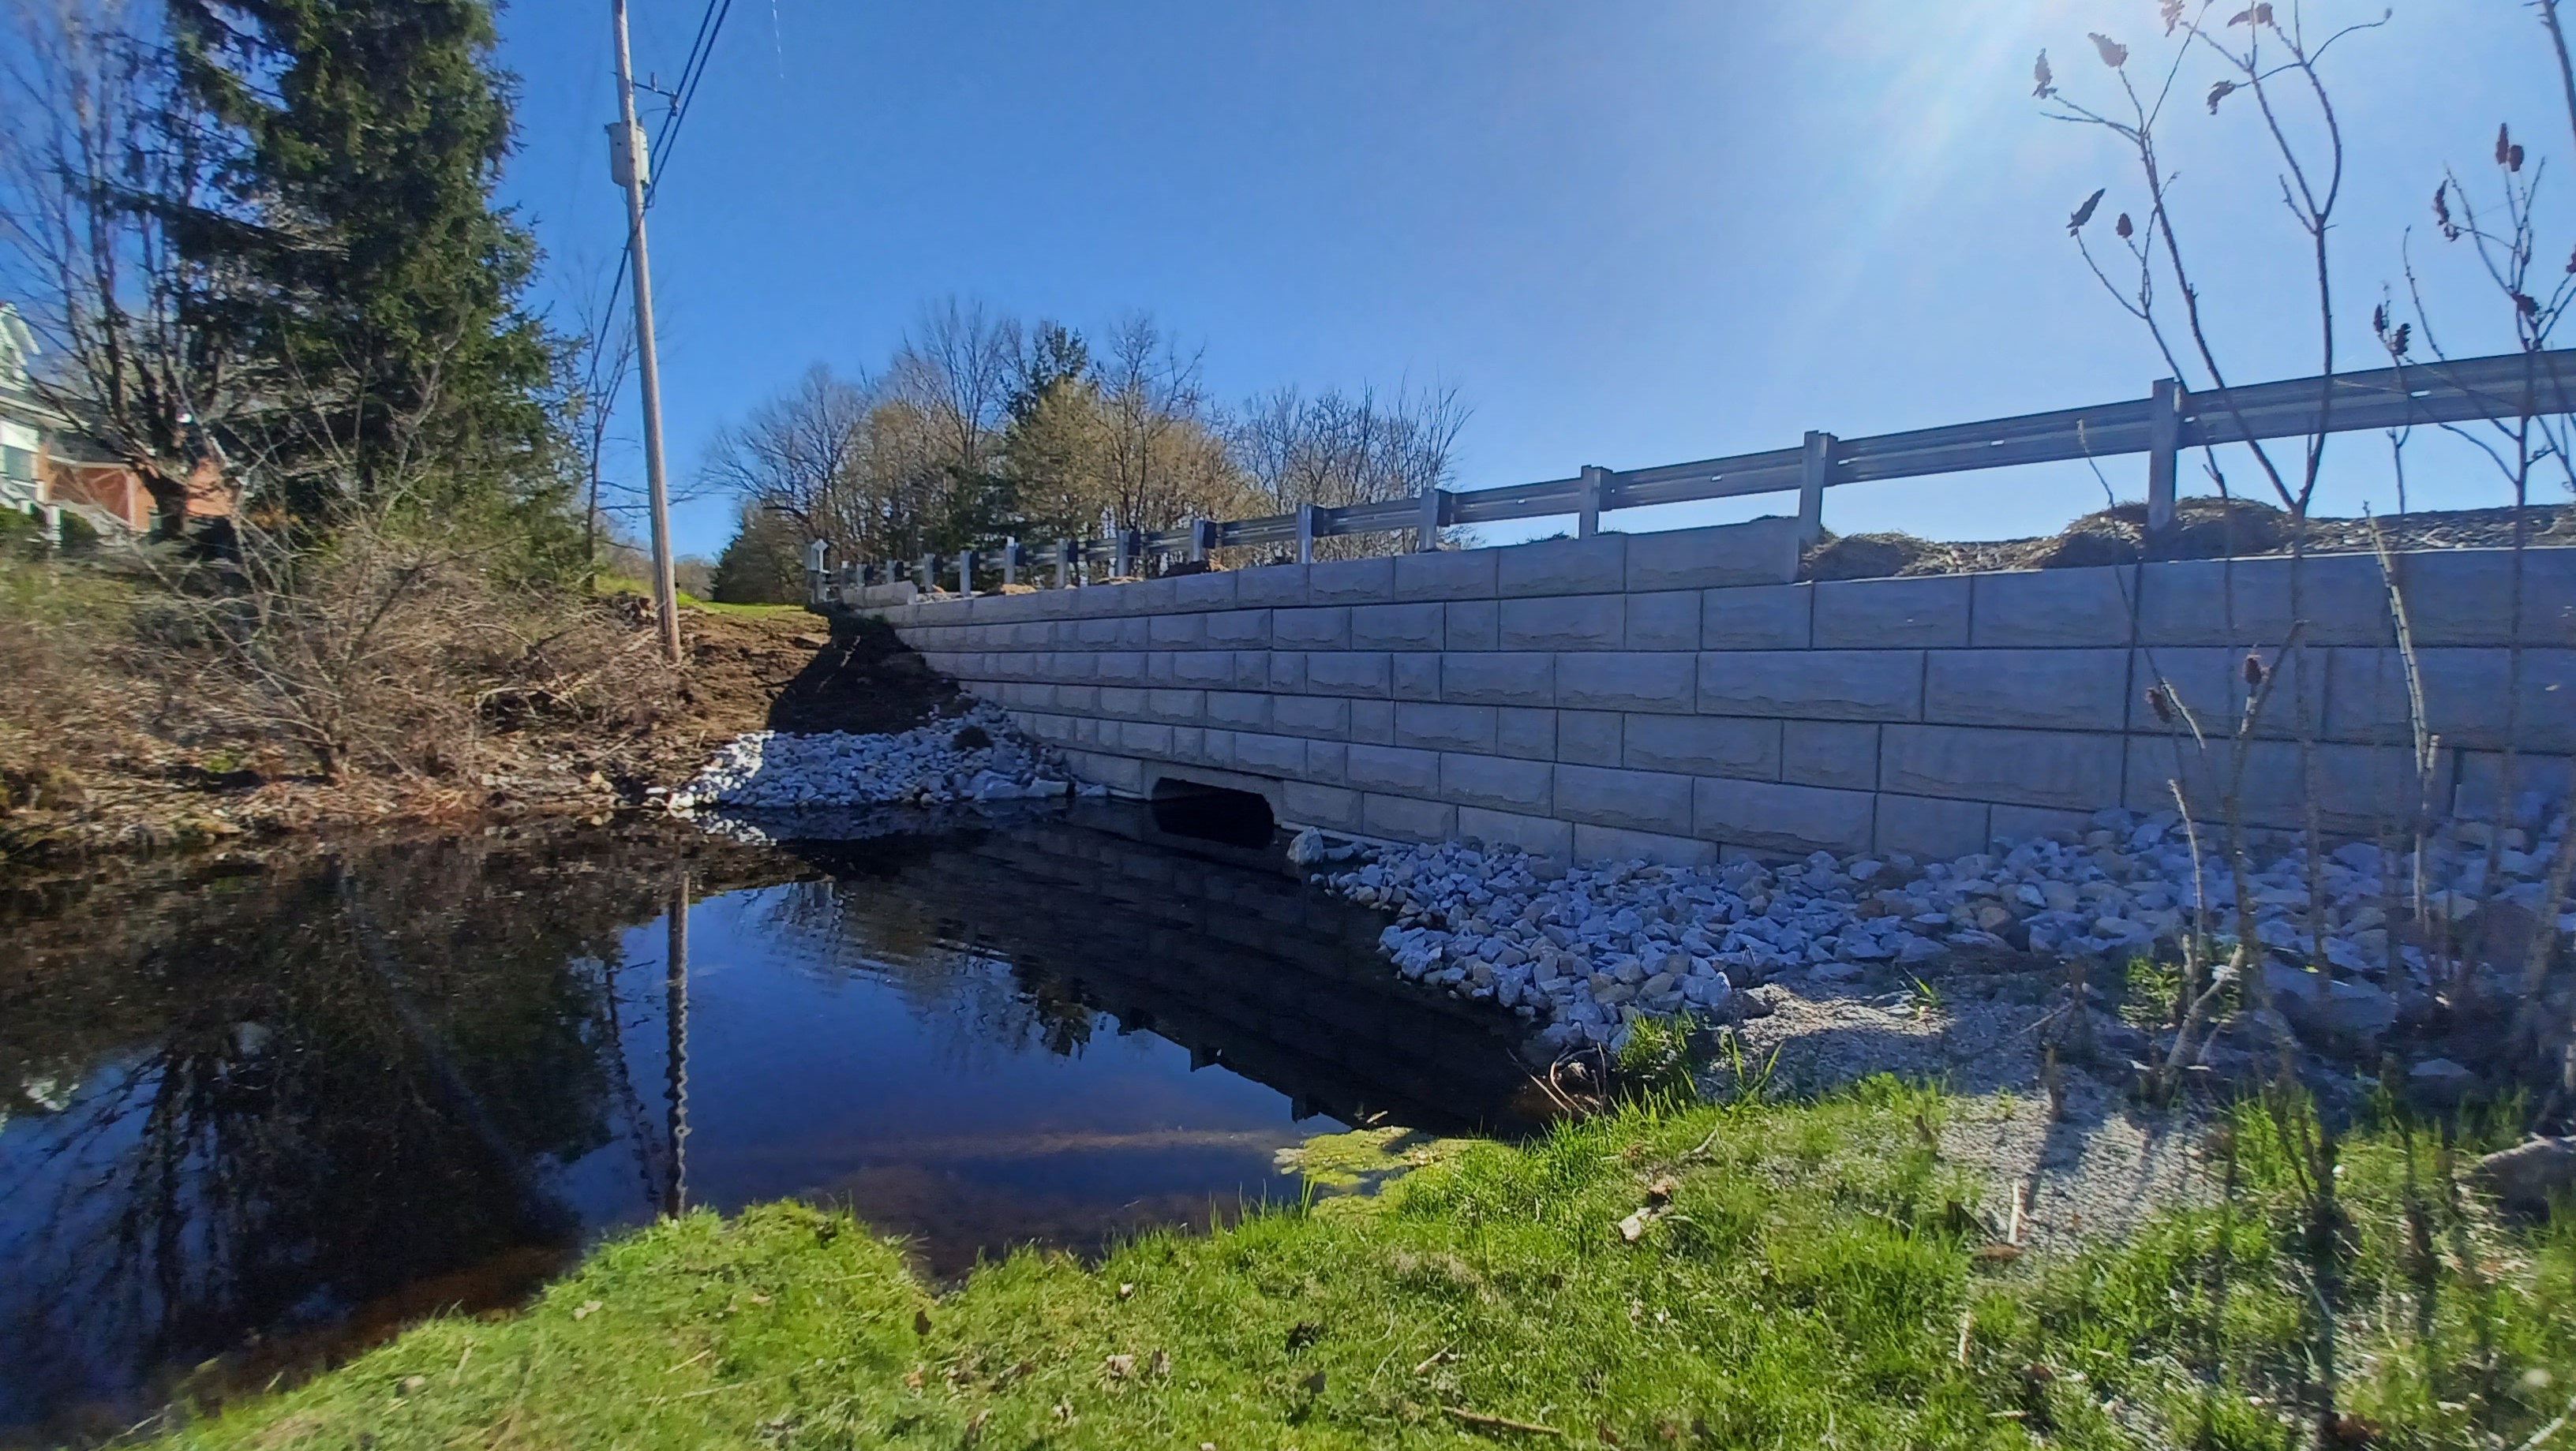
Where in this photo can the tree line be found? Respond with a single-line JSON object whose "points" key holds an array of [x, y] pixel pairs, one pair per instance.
{"points": [[982, 427]]}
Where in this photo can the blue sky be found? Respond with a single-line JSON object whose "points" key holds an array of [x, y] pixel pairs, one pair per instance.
{"points": [[1630, 233]]}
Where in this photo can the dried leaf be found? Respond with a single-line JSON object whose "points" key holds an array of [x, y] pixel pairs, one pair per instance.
{"points": [[1126, 1289], [2513, 158], [921, 1322], [2114, 54], [2442, 209], [2504, 143], [1119, 1367], [2528, 305], [2160, 704], [1662, 1190], [1161, 1364], [2398, 340], [585, 1310], [2218, 93], [1998, 1253], [2084, 213], [1313, 1385], [975, 1426], [2254, 670], [2047, 83], [2171, 10], [2258, 15], [913, 1380], [2124, 227]]}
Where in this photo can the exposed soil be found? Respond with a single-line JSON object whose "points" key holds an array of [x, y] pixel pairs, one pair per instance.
{"points": [[749, 672]]}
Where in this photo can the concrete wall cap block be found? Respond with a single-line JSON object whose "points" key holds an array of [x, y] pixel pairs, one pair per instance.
{"points": [[1598, 565], [1761, 551], [1496, 783], [1840, 754], [1398, 627], [1406, 819], [1350, 581], [1393, 768], [2343, 598], [2029, 768], [1373, 721], [1634, 800], [1239, 629], [1474, 625], [1524, 733], [1241, 710], [1325, 627], [1858, 614], [1095, 601], [1771, 816], [2463, 596], [1414, 675], [1322, 716], [1704, 745], [1304, 804], [1668, 621], [1518, 678], [1658, 682], [2054, 608], [1269, 755], [2043, 689], [1155, 596], [1213, 590], [1445, 727], [1926, 827], [1591, 737], [1884, 685], [1580, 622], [1270, 584], [1540, 836], [1446, 574], [1616, 844], [1348, 672]]}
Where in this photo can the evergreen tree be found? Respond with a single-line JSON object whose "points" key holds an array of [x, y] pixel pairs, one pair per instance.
{"points": [[382, 287]]}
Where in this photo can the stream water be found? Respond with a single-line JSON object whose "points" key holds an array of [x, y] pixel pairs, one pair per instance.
{"points": [[254, 1118]]}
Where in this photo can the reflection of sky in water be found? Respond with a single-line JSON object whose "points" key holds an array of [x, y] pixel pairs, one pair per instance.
{"points": [[259, 1118]]}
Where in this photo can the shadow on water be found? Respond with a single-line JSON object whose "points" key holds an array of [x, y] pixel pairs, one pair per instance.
{"points": [[261, 1118]]}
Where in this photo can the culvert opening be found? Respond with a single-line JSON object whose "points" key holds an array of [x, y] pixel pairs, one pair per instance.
{"points": [[1213, 813]]}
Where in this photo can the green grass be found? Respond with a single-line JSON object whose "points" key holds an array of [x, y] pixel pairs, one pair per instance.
{"points": [[613, 584], [1805, 1286]]}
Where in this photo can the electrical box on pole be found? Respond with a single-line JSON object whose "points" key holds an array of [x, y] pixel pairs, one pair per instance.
{"points": [[630, 155]]}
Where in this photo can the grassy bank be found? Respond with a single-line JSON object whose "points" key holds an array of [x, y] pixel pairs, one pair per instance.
{"points": [[1818, 1276]]}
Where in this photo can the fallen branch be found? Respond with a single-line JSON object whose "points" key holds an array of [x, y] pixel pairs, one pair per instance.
{"points": [[1500, 1423]]}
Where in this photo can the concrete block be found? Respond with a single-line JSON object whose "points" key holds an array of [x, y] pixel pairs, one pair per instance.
{"points": [[1270, 584], [2042, 689], [1213, 590], [2470, 697], [2463, 596], [1598, 565], [2030, 768], [1135, 632], [2210, 683], [1927, 828], [1538, 835], [1316, 628], [1658, 682], [1447, 574], [1241, 710], [1099, 634], [1332, 807], [1445, 727], [1882, 685], [1591, 737], [1252, 669], [1581, 622], [1406, 819], [1328, 761], [2053, 608], [1499, 679], [1704, 745], [1178, 707], [1762, 551], [1668, 621], [1634, 800], [2243, 602], [1120, 701], [1154, 596], [1122, 666], [1393, 768], [1238, 629], [1123, 774], [1528, 734], [1189, 743], [1398, 627], [2360, 789], [1216, 747], [1204, 668], [1350, 581], [1373, 721], [1347, 672], [1496, 783], [1772, 816], [1414, 675], [1325, 717], [1145, 738], [1475, 625], [2013, 825], [1615, 844], [1841, 754], [1857, 614], [1176, 632], [2482, 780], [1287, 672], [1077, 699], [1158, 669], [1269, 755]]}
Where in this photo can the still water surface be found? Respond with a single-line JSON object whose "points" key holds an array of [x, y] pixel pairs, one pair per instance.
{"points": [[251, 1119]]}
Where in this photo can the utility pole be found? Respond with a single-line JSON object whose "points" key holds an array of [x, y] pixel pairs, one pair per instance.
{"points": [[629, 159]]}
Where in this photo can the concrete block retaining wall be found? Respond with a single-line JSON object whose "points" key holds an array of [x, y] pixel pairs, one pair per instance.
{"points": [[1674, 695]]}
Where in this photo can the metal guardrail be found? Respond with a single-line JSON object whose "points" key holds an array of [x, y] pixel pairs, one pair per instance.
{"points": [[2162, 425]]}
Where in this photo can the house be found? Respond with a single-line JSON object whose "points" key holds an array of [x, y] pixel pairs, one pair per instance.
{"points": [[50, 464]]}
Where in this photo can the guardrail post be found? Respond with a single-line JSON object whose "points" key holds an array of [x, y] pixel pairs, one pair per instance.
{"points": [[928, 575], [1064, 549], [966, 571], [1435, 512], [1010, 563], [1202, 539], [1587, 508], [1306, 518], [2164, 448], [1124, 556], [1818, 464]]}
